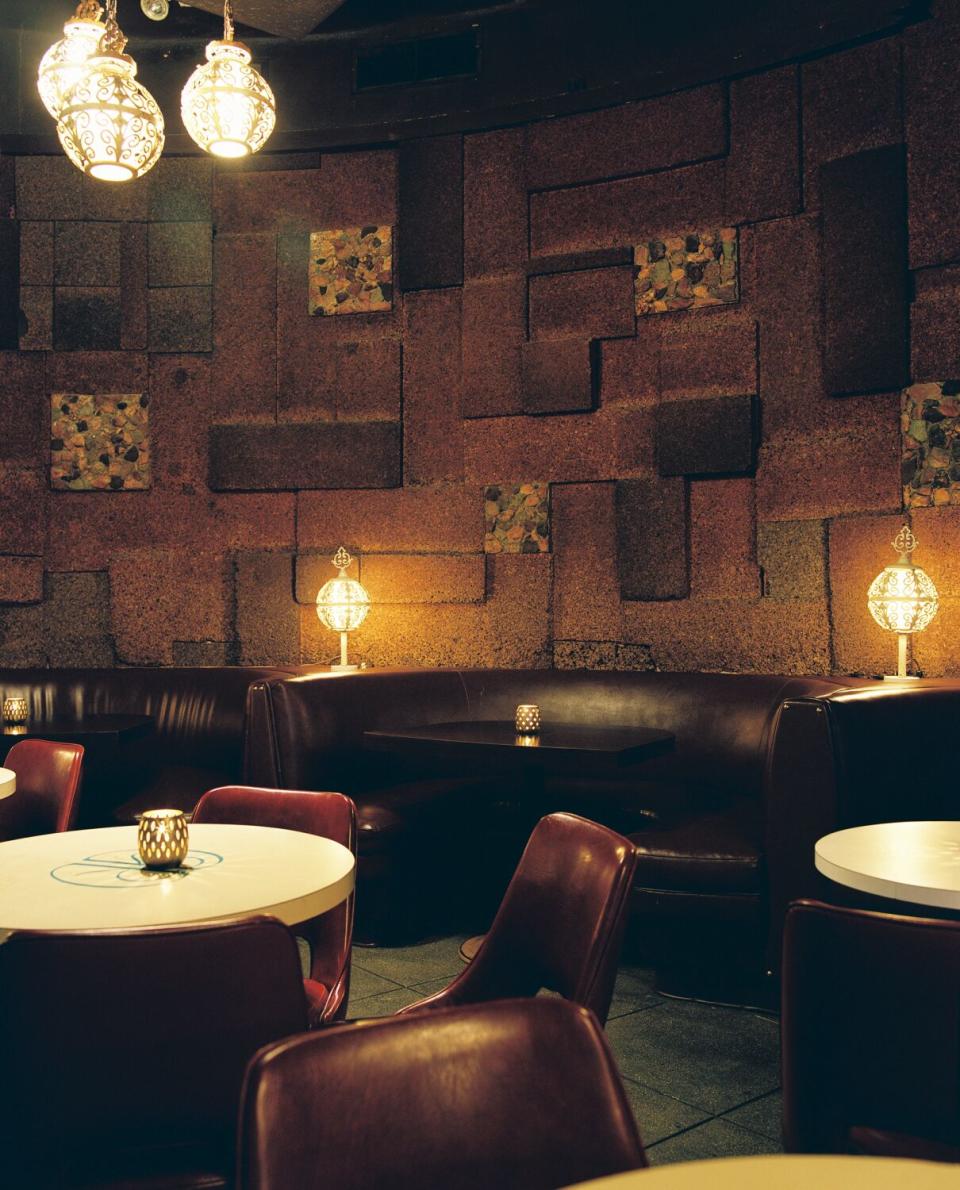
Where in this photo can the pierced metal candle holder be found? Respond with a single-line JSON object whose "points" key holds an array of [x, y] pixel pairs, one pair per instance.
{"points": [[15, 710], [163, 838], [527, 718]]}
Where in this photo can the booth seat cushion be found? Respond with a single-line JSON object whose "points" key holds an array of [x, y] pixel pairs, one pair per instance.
{"points": [[197, 740], [712, 853]]}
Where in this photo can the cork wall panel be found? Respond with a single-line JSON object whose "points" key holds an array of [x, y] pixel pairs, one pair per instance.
{"points": [[762, 176], [620, 212], [432, 425], [933, 161], [290, 456], [510, 356], [10, 283], [494, 202], [864, 220], [431, 212], [851, 102], [634, 138]]}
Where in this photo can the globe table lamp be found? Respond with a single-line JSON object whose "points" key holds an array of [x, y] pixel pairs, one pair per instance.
{"points": [[342, 605], [902, 598]]}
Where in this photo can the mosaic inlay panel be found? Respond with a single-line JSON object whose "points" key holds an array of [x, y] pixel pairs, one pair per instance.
{"points": [[351, 270], [930, 425], [99, 442], [517, 518], [684, 272]]}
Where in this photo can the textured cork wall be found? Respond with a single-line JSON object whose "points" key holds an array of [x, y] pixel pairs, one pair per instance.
{"points": [[529, 473]]}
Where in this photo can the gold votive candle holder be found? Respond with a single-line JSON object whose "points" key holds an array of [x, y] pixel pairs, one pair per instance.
{"points": [[15, 710], [163, 838], [527, 718]]}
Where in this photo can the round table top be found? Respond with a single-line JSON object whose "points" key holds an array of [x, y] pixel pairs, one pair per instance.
{"points": [[786, 1171], [93, 879], [8, 782], [917, 862]]}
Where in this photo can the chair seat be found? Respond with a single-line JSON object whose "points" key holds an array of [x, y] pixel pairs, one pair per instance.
{"points": [[714, 853]]}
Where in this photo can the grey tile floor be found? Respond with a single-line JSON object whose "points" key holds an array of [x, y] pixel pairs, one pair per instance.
{"points": [[703, 1080]]}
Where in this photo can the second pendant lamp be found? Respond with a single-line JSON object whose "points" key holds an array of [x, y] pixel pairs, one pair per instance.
{"points": [[227, 106]]}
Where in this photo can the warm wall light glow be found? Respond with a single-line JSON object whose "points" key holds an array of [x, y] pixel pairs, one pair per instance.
{"points": [[227, 105], [110, 125], [902, 598], [342, 605], [62, 65]]}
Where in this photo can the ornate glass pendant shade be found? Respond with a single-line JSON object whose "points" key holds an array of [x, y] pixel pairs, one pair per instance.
{"points": [[227, 106], [109, 125], [62, 65]]}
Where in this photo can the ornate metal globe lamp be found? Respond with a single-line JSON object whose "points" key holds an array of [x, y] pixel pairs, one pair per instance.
{"points": [[109, 125], [342, 605], [902, 598], [62, 65], [227, 105]]}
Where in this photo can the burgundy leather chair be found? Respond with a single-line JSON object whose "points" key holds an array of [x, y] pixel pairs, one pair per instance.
{"points": [[48, 788], [560, 924], [870, 1033], [520, 1093], [124, 1051], [330, 935]]}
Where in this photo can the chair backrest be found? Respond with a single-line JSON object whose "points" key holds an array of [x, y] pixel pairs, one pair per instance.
{"points": [[114, 1042], [870, 1028], [561, 921], [48, 788], [332, 815], [518, 1093]]}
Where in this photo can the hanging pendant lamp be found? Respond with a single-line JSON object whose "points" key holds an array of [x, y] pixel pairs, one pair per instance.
{"points": [[109, 124], [227, 105], [62, 65]]}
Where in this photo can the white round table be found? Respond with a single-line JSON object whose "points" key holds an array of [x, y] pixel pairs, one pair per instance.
{"points": [[918, 862], [785, 1172], [93, 879], [8, 782]]}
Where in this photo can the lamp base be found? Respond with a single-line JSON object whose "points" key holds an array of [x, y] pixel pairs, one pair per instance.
{"points": [[344, 669]]}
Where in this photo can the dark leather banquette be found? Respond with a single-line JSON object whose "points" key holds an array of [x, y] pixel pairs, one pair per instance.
{"points": [[198, 738], [724, 823]]}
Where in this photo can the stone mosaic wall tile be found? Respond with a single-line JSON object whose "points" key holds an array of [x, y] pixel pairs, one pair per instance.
{"points": [[517, 518], [351, 270], [99, 442], [687, 271], [930, 426]]}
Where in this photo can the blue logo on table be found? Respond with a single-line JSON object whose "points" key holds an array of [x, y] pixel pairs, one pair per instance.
{"points": [[123, 869]]}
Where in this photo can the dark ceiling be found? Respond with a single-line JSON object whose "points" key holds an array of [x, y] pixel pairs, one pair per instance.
{"points": [[283, 18]]}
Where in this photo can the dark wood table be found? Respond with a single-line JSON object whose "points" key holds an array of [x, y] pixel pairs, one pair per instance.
{"points": [[101, 730], [110, 743], [496, 743]]}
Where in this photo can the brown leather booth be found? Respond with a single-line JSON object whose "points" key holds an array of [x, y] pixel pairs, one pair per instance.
{"points": [[198, 738], [725, 822]]}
